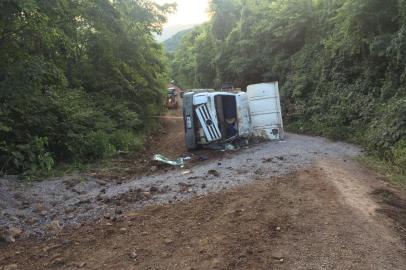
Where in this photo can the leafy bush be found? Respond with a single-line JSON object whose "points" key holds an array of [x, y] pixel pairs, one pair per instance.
{"points": [[32, 158], [124, 140], [399, 155], [97, 145], [388, 129]]}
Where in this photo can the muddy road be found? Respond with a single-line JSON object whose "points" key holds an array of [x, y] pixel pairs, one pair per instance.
{"points": [[302, 203]]}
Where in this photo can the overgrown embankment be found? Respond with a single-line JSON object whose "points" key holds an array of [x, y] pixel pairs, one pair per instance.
{"points": [[341, 64], [79, 80]]}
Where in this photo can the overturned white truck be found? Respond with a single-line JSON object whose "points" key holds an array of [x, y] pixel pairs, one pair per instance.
{"points": [[219, 117]]}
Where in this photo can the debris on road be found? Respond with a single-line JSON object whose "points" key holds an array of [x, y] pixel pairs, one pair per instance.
{"points": [[182, 184], [186, 172], [213, 172], [54, 225], [133, 255], [82, 264], [147, 195], [11, 267], [277, 255], [178, 162], [153, 189], [230, 147], [184, 187], [9, 235]]}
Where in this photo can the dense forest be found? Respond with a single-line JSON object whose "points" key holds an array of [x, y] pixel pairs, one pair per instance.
{"points": [[79, 80], [341, 64]]}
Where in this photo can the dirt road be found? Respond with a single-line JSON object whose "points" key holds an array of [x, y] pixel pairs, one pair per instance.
{"points": [[304, 203], [322, 217]]}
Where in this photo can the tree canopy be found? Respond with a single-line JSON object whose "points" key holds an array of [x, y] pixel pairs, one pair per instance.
{"points": [[78, 79], [340, 64]]}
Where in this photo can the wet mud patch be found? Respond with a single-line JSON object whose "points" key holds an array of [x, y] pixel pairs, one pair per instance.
{"points": [[394, 207]]}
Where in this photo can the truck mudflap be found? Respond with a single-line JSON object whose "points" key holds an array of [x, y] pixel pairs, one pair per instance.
{"points": [[209, 123]]}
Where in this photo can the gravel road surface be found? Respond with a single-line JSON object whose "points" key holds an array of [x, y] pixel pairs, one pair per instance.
{"points": [[41, 207]]}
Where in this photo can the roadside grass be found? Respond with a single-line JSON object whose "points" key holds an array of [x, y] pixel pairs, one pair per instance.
{"points": [[65, 169], [389, 171], [119, 164]]}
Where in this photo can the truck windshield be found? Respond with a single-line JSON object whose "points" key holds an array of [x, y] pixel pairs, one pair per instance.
{"points": [[226, 109]]}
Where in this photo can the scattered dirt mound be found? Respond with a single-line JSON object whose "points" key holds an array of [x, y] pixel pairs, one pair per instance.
{"points": [[300, 221]]}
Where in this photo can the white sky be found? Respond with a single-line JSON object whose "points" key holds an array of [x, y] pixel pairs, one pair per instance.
{"points": [[188, 11]]}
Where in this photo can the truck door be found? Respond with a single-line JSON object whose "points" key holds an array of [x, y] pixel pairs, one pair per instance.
{"points": [[265, 110]]}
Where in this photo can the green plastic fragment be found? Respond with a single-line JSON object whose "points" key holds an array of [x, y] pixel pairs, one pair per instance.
{"points": [[163, 159]]}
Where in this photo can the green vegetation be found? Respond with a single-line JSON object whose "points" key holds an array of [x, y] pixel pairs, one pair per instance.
{"points": [[386, 169], [79, 80], [341, 64], [173, 43]]}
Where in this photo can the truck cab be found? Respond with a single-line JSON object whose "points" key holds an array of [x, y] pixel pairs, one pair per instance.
{"points": [[213, 117], [172, 99]]}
